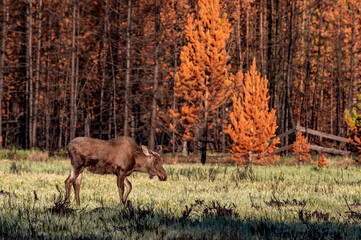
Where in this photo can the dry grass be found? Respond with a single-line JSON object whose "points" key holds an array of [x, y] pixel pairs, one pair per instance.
{"points": [[347, 161], [38, 156]]}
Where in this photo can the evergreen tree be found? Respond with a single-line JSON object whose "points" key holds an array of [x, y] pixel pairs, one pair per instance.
{"points": [[253, 125], [202, 82]]}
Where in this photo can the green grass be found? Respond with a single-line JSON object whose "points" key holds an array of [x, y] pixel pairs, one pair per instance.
{"points": [[211, 202]]}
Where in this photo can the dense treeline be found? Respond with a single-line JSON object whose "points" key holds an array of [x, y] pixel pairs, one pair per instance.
{"points": [[107, 68]]}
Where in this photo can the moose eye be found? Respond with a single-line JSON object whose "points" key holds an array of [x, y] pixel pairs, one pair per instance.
{"points": [[156, 160]]}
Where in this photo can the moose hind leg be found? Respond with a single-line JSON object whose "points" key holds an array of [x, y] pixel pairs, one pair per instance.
{"points": [[68, 183], [128, 185], [74, 173], [76, 185], [120, 184]]}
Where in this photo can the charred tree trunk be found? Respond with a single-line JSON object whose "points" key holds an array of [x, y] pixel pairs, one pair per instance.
{"points": [[127, 72], [315, 99], [29, 77], [271, 35], [174, 75], [223, 129], [205, 129], [308, 70], [114, 93], [238, 36], [72, 74], [2, 65], [153, 119], [47, 87], [261, 39], [289, 82], [351, 101], [104, 76], [37, 74]]}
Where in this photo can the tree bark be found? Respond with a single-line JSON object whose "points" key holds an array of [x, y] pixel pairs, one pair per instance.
{"points": [[223, 129], [114, 95], [261, 48], [351, 101], [2, 65], [289, 82], [72, 74], [340, 78], [153, 120], [76, 84], [127, 71], [315, 99], [247, 35], [29, 77], [205, 128], [238, 35], [308, 69], [48, 82], [104, 107], [174, 75], [37, 74]]}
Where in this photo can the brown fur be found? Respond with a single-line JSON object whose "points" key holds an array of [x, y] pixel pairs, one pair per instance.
{"points": [[120, 156]]}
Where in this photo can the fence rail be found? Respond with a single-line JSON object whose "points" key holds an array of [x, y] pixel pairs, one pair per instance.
{"points": [[313, 146]]}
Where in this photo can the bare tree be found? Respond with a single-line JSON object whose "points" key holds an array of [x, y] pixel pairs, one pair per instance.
{"points": [[127, 71], [2, 63], [48, 82], [37, 74], [351, 100], [315, 98], [153, 119], [29, 75], [73, 78], [175, 69]]}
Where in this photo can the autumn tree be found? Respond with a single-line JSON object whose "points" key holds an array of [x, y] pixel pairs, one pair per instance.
{"points": [[102, 69], [322, 161], [202, 81], [253, 124], [301, 148], [353, 121]]}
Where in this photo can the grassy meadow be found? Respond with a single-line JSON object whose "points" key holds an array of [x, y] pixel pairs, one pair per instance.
{"points": [[214, 201]]}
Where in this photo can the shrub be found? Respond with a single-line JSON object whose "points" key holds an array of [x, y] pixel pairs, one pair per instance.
{"points": [[322, 161], [353, 143], [301, 149]]}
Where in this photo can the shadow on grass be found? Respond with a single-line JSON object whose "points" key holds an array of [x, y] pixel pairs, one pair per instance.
{"points": [[199, 220]]}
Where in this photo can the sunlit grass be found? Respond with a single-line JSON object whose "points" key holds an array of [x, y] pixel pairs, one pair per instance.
{"points": [[159, 208]]}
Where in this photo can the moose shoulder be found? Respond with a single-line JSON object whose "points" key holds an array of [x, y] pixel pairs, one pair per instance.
{"points": [[119, 156]]}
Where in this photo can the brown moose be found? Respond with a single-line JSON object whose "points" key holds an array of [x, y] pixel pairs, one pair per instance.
{"points": [[119, 156]]}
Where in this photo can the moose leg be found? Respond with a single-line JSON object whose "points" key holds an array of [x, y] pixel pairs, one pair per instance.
{"points": [[76, 185], [120, 183], [74, 173], [128, 185]]}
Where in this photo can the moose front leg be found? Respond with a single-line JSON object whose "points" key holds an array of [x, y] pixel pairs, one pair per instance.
{"points": [[128, 185], [120, 184]]}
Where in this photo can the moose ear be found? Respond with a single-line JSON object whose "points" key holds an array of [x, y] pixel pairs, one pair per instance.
{"points": [[159, 149], [150, 151], [145, 150]]}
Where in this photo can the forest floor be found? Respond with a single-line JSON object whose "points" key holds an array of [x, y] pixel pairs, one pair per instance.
{"points": [[212, 201]]}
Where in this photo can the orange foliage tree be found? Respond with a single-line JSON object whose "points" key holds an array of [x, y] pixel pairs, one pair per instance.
{"points": [[322, 161], [253, 125], [353, 121], [301, 148], [202, 81]]}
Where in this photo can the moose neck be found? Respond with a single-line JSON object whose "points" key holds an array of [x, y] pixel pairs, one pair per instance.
{"points": [[140, 163]]}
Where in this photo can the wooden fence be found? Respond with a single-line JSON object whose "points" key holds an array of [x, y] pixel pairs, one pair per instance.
{"points": [[314, 147]]}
